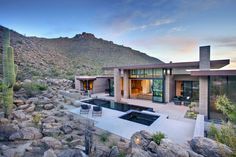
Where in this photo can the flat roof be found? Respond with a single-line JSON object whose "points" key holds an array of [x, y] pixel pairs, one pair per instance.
{"points": [[92, 77], [215, 64], [229, 72]]}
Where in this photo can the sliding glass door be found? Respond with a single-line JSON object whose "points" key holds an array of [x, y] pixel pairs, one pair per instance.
{"points": [[158, 90]]}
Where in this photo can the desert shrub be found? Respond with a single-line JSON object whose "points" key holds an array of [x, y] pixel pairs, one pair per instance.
{"points": [[104, 137], [32, 89], [1, 85], [113, 144], [226, 135], [122, 154], [191, 114], [226, 107], [17, 86], [55, 72], [157, 137], [36, 118]]}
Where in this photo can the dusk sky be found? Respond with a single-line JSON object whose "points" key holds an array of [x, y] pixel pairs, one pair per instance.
{"points": [[171, 30]]}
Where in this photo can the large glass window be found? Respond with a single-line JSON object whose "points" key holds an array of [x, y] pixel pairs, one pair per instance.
{"points": [[220, 85], [87, 85], [158, 90], [111, 87], [188, 89], [146, 73]]}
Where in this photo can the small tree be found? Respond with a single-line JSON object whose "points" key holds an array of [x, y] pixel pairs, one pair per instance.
{"points": [[226, 107]]}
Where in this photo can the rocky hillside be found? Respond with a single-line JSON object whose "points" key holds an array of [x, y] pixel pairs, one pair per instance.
{"points": [[83, 54]]}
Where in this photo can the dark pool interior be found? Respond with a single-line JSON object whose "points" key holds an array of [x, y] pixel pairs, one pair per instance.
{"points": [[142, 118], [115, 106]]}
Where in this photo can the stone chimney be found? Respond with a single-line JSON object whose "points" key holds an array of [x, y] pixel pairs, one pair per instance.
{"points": [[204, 58]]}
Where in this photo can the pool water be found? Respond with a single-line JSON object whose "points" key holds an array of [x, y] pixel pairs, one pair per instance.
{"points": [[115, 106], [142, 118]]}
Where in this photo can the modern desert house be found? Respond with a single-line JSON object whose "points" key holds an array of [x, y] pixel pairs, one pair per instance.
{"points": [[202, 81]]}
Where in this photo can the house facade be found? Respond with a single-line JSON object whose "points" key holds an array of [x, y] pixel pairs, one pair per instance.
{"points": [[202, 81]]}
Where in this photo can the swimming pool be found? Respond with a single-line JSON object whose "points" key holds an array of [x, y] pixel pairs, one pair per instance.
{"points": [[115, 106], [139, 117]]}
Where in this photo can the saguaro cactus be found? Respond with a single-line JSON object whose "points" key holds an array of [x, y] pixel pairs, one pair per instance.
{"points": [[9, 73]]}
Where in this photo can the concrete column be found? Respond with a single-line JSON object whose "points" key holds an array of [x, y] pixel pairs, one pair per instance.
{"points": [[77, 84], [126, 84], [204, 64], [117, 84], [169, 88], [203, 96], [204, 58]]}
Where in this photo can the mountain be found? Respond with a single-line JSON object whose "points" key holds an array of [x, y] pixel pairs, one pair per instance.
{"points": [[83, 54]]}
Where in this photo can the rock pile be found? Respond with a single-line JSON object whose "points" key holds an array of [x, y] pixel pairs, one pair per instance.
{"points": [[199, 147]]}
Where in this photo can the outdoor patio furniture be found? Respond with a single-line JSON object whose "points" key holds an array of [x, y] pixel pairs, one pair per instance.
{"points": [[187, 101], [84, 109], [150, 110], [97, 111], [177, 101]]}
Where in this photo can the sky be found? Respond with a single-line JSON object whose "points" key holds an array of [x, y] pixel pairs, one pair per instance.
{"points": [[170, 30]]}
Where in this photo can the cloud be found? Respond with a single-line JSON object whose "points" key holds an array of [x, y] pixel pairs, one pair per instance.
{"points": [[153, 24], [224, 41], [177, 44], [121, 26]]}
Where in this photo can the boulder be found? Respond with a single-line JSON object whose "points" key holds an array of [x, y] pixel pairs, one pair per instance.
{"points": [[52, 142], [18, 102], [49, 153], [33, 100], [76, 142], [193, 154], [136, 152], [208, 147], [6, 130], [19, 114], [30, 108], [167, 149], [51, 132], [23, 107], [143, 137], [49, 119], [28, 133], [71, 153], [4, 121], [48, 106], [27, 81], [66, 129], [114, 152], [18, 151]]}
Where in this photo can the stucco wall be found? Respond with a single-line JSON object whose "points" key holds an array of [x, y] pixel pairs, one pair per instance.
{"points": [[100, 84]]}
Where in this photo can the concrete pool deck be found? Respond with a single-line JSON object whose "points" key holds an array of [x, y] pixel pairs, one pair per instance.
{"points": [[176, 130], [176, 112]]}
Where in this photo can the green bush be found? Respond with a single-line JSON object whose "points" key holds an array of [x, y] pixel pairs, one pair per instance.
{"points": [[226, 107], [157, 137], [32, 89], [36, 118], [226, 135], [104, 137]]}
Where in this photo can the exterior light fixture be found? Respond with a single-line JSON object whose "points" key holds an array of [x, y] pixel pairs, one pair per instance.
{"points": [[137, 140]]}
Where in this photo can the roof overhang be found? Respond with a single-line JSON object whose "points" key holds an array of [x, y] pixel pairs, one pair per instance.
{"points": [[230, 72], [215, 64], [84, 78]]}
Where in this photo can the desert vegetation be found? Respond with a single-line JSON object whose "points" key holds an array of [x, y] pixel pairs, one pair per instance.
{"points": [[226, 133]]}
